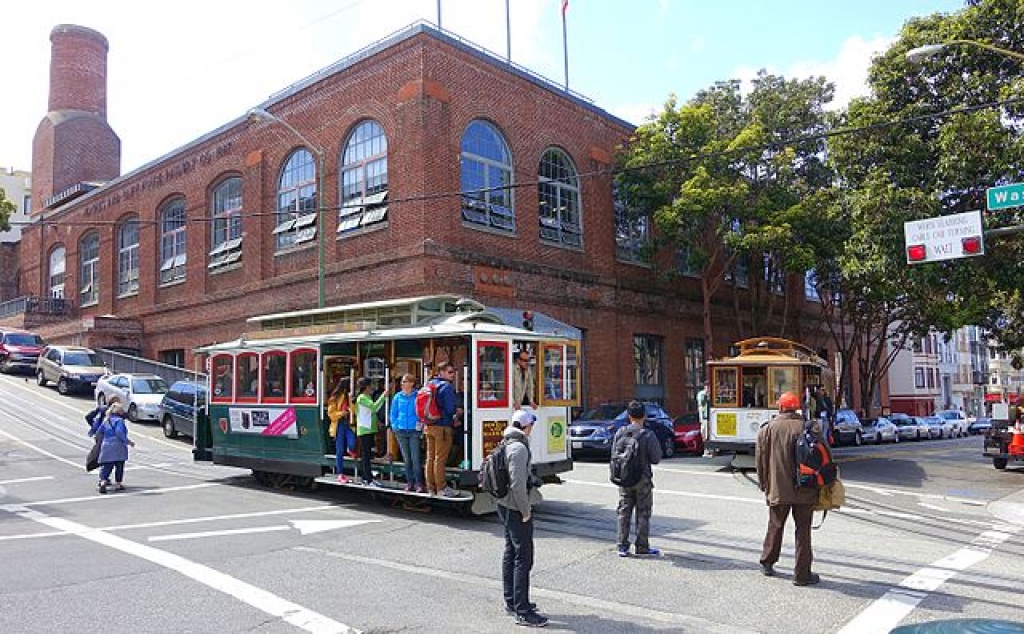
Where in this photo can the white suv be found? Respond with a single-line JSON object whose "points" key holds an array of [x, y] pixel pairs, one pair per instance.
{"points": [[957, 420]]}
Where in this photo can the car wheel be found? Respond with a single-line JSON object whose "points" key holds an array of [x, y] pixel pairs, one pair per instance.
{"points": [[999, 463], [40, 379], [918, 435], [896, 438], [668, 448], [168, 424], [878, 438], [63, 387], [858, 440], [133, 413], [101, 399]]}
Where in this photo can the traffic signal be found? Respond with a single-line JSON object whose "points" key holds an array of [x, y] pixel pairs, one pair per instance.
{"points": [[528, 319]]}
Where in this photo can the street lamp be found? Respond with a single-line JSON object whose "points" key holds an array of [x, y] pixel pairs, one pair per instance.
{"points": [[930, 50], [261, 114]]}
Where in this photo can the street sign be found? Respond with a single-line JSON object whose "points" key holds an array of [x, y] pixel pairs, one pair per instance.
{"points": [[944, 238], [1005, 196]]}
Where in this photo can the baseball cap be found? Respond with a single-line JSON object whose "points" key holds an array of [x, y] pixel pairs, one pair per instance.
{"points": [[522, 418]]}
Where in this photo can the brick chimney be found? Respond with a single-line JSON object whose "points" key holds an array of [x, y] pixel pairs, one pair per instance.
{"points": [[73, 143]]}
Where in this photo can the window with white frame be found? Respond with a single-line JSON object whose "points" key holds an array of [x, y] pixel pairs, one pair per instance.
{"points": [[128, 257], [172, 241], [57, 270], [648, 366], [485, 164], [558, 195], [810, 286], [919, 377], [631, 228], [364, 178], [88, 274], [226, 210], [296, 201]]}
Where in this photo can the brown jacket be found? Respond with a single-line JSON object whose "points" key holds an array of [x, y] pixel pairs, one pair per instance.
{"points": [[776, 461]]}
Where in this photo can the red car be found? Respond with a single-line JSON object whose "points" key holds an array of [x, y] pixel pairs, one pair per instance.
{"points": [[687, 433], [19, 350]]}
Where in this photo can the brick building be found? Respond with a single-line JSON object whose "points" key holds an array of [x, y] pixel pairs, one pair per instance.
{"points": [[397, 141]]}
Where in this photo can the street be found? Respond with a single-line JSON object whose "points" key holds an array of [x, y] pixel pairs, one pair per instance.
{"points": [[931, 532]]}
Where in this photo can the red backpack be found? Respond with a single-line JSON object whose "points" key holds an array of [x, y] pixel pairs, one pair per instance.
{"points": [[426, 404]]}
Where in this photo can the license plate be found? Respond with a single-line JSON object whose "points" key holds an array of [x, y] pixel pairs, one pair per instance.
{"points": [[576, 444]]}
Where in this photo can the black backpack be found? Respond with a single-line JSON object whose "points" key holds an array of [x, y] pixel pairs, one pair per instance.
{"points": [[626, 466], [814, 466], [493, 476]]}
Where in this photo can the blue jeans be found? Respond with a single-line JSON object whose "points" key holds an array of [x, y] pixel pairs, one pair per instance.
{"points": [[116, 467], [343, 441], [517, 560], [409, 442]]}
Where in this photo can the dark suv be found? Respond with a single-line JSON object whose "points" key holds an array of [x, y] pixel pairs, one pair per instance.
{"points": [[178, 408], [848, 428], [19, 350], [593, 432]]}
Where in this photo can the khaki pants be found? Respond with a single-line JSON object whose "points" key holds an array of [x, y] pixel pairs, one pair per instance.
{"points": [[439, 445], [802, 516]]}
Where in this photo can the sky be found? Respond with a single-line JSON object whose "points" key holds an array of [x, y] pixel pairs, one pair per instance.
{"points": [[177, 70]]}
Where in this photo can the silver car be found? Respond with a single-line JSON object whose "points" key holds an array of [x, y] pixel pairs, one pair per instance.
{"points": [[879, 430], [908, 427], [139, 393]]}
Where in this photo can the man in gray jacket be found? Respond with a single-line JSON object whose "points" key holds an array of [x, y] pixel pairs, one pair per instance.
{"points": [[517, 516], [639, 498]]}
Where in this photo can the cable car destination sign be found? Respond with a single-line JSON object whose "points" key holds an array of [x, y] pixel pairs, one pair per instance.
{"points": [[944, 238]]}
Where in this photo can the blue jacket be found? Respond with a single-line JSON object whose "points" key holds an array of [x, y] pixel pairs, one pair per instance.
{"points": [[446, 401], [115, 438], [403, 412]]}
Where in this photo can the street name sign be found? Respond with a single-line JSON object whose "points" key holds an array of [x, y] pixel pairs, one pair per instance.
{"points": [[944, 238], [1005, 196]]}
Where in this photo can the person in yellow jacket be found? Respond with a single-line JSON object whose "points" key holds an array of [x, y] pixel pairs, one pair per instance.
{"points": [[366, 426], [339, 413]]}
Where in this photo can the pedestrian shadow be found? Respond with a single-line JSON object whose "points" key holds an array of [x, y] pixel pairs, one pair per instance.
{"points": [[592, 624]]}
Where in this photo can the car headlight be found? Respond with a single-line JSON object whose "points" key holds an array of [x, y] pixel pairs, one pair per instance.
{"points": [[691, 434]]}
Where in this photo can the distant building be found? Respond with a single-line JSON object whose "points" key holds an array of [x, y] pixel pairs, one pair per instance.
{"points": [[17, 186], [440, 169]]}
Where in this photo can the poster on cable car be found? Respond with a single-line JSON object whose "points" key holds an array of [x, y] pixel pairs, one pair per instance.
{"points": [[264, 421]]}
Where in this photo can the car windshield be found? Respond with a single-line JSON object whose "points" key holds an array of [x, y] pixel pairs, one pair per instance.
{"points": [[601, 412], [152, 385], [22, 339], [83, 358], [949, 415]]}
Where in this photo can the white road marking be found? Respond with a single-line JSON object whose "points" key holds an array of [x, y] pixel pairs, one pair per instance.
{"points": [[657, 491], [305, 527], [78, 465], [115, 496], [887, 612], [19, 480], [264, 601]]}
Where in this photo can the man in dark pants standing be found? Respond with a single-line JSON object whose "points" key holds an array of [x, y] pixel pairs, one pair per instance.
{"points": [[515, 512], [638, 498], [776, 473]]}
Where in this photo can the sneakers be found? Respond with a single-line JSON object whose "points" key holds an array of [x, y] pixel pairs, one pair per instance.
{"points": [[103, 487], [371, 483], [343, 479], [623, 551], [768, 570], [809, 581], [449, 492], [649, 552], [421, 489], [531, 619], [511, 611], [119, 487]]}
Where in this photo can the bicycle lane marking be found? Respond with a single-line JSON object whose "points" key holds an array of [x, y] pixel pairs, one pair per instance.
{"points": [[886, 612], [267, 602]]}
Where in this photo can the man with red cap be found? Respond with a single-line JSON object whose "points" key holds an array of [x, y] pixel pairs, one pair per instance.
{"points": [[776, 472]]}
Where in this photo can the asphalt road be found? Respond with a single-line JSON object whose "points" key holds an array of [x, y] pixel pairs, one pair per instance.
{"points": [[196, 548]]}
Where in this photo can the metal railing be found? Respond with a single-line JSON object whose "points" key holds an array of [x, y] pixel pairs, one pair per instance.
{"points": [[124, 363], [37, 305]]}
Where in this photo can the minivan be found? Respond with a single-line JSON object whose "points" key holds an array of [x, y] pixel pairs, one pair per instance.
{"points": [[72, 368]]}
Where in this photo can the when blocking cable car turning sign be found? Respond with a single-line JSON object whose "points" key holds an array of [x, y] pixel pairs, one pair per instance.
{"points": [[944, 238]]}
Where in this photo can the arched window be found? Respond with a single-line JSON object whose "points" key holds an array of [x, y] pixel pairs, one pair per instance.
{"points": [[56, 278], [296, 200], [128, 257], [88, 274], [558, 193], [364, 178], [172, 241], [486, 166], [226, 209]]}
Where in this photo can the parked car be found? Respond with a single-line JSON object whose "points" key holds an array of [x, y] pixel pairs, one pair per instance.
{"points": [[178, 408], [687, 433], [847, 428], [72, 368], [593, 432], [908, 427], [879, 430], [957, 420], [19, 350], [937, 428], [979, 426], [139, 393]]}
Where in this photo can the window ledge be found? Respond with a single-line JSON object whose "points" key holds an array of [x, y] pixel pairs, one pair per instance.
{"points": [[640, 263], [175, 282], [370, 228], [305, 246], [488, 229], [225, 268], [562, 245], [134, 293]]}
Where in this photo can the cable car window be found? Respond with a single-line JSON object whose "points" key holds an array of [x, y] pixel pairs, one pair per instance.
{"points": [[222, 381], [303, 376], [492, 374], [247, 374], [725, 387], [274, 364]]}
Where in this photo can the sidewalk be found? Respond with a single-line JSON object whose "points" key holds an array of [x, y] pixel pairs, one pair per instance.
{"points": [[1009, 509]]}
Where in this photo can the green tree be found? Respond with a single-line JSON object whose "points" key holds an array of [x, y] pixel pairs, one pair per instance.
{"points": [[7, 209]]}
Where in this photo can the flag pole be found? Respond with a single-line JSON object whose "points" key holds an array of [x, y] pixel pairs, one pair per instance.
{"points": [[438, 15], [565, 46], [508, 33]]}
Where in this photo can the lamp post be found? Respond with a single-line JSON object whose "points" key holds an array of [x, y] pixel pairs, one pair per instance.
{"points": [[261, 114], [930, 50]]}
